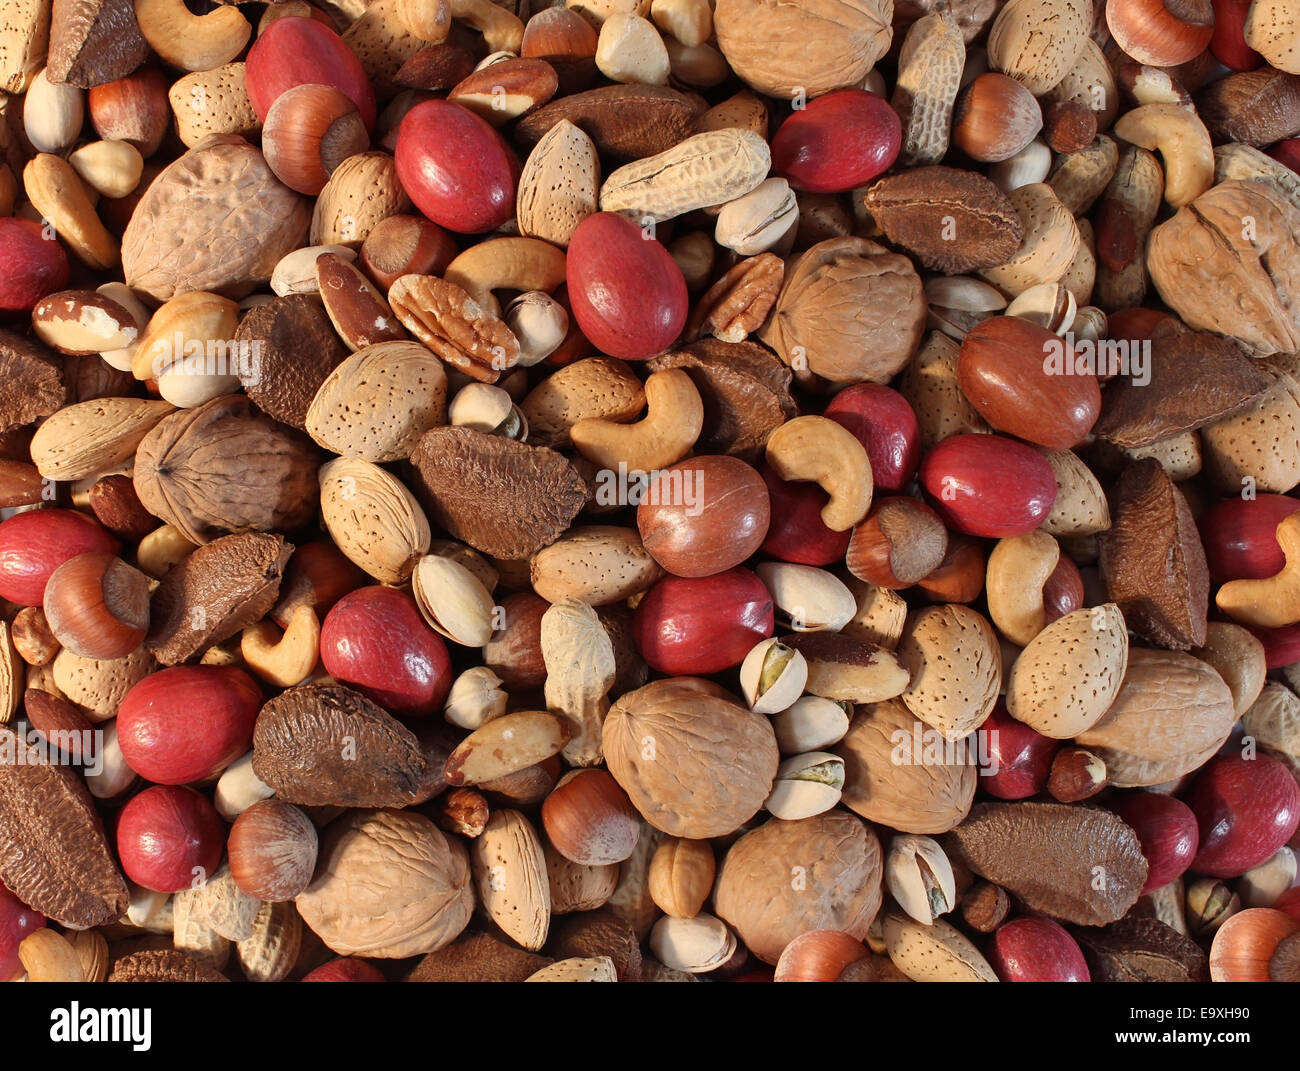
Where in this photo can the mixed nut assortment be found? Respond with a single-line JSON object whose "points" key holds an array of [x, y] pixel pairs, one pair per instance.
{"points": [[650, 490]]}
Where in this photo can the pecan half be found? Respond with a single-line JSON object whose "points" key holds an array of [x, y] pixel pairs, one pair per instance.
{"points": [[455, 326], [740, 302]]}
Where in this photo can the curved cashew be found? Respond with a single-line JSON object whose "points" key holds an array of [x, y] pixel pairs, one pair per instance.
{"points": [[161, 549], [1183, 143], [502, 31], [506, 264], [283, 659], [1273, 602], [429, 20], [58, 194], [1018, 567], [197, 316], [817, 449], [673, 421], [192, 42]]}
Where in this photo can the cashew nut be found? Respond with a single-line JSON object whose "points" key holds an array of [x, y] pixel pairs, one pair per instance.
{"points": [[817, 449], [1183, 143], [1273, 602], [429, 20], [57, 193], [673, 421], [161, 549], [502, 31], [506, 264], [1018, 567], [192, 42], [283, 659]]}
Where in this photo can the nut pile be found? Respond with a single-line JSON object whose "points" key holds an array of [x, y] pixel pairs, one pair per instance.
{"points": [[650, 490]]}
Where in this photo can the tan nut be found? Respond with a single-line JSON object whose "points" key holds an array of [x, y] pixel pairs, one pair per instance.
{"points": [[772, 676], [506, 264], [53, 114], [806, 785], [687, 21], [1018, 567], [1031, 164], [501, 30], [429, 20], [453, 600], [1183, 143], [673, 421], [192, 42], [283, 659], [920, 877], [817, 449], [48, 956], [540, 323], [111, 168], [57, 193], [1273, 602], [295, 273], [630, 50], [161, 549], [760, 220], [681, 876], [475, 699], [239, 788], [807, 599]]}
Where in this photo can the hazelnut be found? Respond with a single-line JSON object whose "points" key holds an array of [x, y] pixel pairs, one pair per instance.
{"points": [[309, 131], [97, 606], [1161, 33], [272, 848], [995, 118], [1076, 775], [590, 820], [901, 542]]}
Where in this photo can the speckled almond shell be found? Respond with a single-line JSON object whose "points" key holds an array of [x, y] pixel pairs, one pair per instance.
{"points": [[1065, 680], [955, 662]]}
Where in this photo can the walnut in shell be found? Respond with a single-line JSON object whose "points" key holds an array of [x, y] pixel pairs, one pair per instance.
{"points": [[216, 220], [786, 878], [823, 44], [500, 496], [694, 764], [223, 468], [389, 885], [1229, 262], [850, 311]]}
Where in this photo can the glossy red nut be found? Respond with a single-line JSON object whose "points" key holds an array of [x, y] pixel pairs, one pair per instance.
{"points": [[796, 532], [704, 515], [32, 266], [1063, 590], [1281, 645], [17, 920], [988, 485], [295, 52], [1166, 829], [882, 420], [456, 168], [1021, 378], [170, 838], [1287, 153], [1036, 950], [1246, 809], [701, 626], [345, 970], [627, 294], [1228, 42], [187, 723], [374, 640], [1020, 759], [1240, 537], [35, 543], [837, 142]]}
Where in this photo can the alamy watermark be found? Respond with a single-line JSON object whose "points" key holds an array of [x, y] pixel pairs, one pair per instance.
{"points": [[924, 746], [658, 487], [241, 358], [1070, 355], [22, 746]]}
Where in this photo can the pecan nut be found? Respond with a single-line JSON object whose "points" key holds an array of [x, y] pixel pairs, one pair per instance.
{"points": [[453, 325], [739, 303]]}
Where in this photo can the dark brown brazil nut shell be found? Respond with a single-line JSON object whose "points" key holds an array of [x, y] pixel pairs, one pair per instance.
{"points": [[1142, 950], [1075, 863], [215, 592], [501, 497], [326, 745], [31, 381], [93, 42], [54, 854]]}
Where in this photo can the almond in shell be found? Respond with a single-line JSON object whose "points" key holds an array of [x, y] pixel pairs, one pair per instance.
{"points": [[510, 875], [599, 564], [90, 438], [373, 518], [1065, 680], [955, 664]]}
